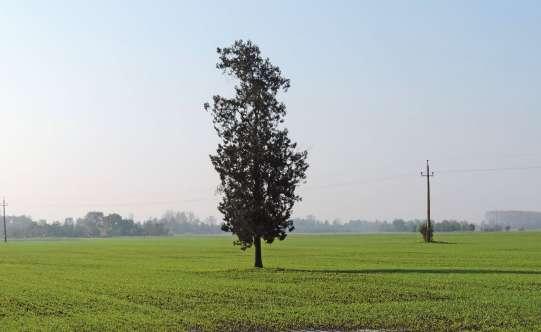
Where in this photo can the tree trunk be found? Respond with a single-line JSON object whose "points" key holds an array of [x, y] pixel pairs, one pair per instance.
{"points": [[258, 259]]}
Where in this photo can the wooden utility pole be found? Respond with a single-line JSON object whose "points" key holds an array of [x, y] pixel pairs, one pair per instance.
{"points": [[428, 175], [4, 217]]}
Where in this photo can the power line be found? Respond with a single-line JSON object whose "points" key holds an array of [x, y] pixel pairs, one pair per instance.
{"points": [[405, 175], [502, 169], [123, 204], [360, 181], [304, 188]]}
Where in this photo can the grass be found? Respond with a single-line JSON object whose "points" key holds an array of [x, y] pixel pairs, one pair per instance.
{"points": [[395, 282]]}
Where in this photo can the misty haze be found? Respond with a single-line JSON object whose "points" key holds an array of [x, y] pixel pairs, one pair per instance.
{"points": [[270, 166]]}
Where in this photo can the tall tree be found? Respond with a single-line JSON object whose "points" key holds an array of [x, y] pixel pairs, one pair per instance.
{"points": [[258, 164]]}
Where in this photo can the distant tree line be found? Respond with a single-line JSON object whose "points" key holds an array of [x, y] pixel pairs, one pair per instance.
{"points": [[97, 224], [311, 225], [492, 227]]}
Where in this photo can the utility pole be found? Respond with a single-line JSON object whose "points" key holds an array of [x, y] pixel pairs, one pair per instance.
{"points": [[428, 175], [4, 217]]}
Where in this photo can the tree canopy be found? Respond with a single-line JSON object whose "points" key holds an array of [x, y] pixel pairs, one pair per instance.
{"points": [[259, 165]]}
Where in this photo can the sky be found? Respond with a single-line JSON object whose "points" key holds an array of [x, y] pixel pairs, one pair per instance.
{"points": [[101, 104]]}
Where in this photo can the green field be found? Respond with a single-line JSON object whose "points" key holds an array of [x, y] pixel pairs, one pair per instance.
{"points": [[396, 282]]}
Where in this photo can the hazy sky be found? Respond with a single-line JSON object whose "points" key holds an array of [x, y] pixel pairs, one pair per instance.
{"points": [[100, 103]]}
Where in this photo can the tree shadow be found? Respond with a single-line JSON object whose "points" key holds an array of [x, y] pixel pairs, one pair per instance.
{"points": [[442, 242], [401, 271]]}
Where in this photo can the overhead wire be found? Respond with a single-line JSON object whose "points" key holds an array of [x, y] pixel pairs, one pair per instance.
{"points": [[476, 170], [305, 188]]}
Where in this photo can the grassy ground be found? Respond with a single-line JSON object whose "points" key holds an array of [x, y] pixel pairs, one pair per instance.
{"points": [[472, 281]]}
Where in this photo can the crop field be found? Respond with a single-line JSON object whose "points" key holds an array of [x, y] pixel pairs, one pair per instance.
{"points": [[476, 281]]}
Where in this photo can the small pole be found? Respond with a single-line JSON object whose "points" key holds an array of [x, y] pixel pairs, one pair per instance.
{"points": [[4, 217], [428, 175]]}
